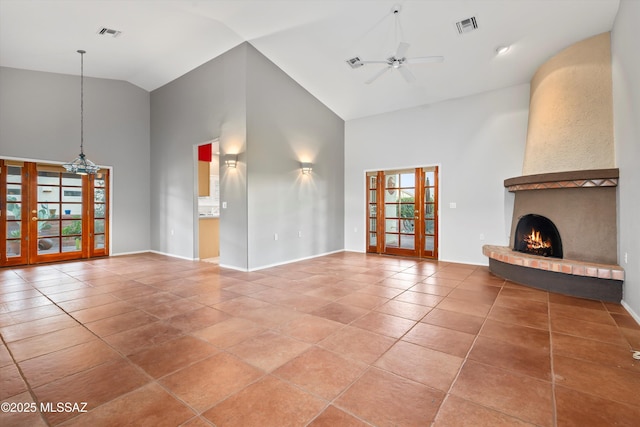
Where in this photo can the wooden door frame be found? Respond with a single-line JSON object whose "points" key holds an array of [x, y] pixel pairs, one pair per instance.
{"points": [[419, 220], [29, 236]]}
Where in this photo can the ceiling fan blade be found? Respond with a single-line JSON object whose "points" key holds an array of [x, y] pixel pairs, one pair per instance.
{"points": [[377, 75], [375, 62], [407, 74], [402, 50], [424, 60]]}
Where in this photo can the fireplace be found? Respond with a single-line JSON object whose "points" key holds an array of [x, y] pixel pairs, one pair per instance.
{"points": [[537, 235], [580, 206]]}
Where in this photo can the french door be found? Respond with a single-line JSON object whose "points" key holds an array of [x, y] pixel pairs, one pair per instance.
{"points": [[402, 212], [48, 214]]}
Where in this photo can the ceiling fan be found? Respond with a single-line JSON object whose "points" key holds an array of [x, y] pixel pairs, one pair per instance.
{"points": [[399, 62]]}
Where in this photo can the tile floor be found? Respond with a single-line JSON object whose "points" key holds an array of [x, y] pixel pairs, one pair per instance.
{"points": [[342, 340]]}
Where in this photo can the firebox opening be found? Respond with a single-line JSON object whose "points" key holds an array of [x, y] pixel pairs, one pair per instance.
{"points": [[537, 235]]}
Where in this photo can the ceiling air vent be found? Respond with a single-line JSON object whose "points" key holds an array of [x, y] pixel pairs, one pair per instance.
{"points": [[104, 31], [467, 25], [355, 62]]}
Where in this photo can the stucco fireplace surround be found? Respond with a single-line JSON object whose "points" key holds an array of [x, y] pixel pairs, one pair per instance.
{"points": [[569, 179]]}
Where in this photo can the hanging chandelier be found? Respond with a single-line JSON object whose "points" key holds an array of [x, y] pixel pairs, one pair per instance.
{"points": [[81, 165]]}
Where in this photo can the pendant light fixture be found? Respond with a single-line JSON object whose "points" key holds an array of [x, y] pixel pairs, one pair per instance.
{"points": [[81, 165]]}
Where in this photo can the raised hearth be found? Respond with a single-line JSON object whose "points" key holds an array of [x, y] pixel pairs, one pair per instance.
{"points": [[578, 278]]}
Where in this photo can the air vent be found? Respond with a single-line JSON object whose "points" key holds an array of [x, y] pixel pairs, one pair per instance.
{"points": [[104, 31], [355, 62], [467, 25]]}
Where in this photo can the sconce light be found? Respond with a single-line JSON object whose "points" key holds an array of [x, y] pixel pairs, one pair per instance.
{"points": [[231, 160], [306, 168]]}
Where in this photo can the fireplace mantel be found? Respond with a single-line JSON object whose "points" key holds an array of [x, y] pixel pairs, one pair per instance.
{"points": [[571, 179]]}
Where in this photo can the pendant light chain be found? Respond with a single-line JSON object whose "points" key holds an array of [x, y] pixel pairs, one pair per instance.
{"points": [[82, 52], [81, 165]]}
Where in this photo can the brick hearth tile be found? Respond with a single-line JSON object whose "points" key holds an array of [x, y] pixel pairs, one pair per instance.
{"points": [[591, 272], [617, 275], [604, 273], [578, 270]]}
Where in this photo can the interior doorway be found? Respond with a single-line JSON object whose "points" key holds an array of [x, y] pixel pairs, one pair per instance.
{"points": [[48, 214], [402, 212], [207, 229]]}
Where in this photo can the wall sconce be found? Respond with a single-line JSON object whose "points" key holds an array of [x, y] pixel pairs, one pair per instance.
{"points": [[231, 160], [306, 168]]}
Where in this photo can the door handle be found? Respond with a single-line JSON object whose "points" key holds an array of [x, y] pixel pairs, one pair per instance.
{"points": [[34, 218]]}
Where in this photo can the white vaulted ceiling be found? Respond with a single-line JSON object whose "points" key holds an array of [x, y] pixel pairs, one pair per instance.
{"points": [[308, 39]]}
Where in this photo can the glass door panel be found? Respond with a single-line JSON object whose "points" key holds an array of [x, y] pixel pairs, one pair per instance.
{"points": [[400, 212], [372, 211], [12, 205], [430, 209], [100, 205], [59, 207]]}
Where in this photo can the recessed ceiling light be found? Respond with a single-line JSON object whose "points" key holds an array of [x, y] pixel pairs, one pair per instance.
{"points": [[501, 50]]}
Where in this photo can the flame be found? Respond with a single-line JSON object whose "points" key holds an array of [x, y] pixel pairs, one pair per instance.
{"points": [[535, 240]]}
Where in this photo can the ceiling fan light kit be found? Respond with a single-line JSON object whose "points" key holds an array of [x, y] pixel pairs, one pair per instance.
{"points": [[399, 60]]}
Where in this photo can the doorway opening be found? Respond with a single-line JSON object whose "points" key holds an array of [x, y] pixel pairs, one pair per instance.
{"points": [[207, 209], [402, 212]]}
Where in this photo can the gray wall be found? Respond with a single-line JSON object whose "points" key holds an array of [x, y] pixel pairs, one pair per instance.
{"points": [[40, 120], [206, 103], [285, 126], [262, 115], [626, 118]]}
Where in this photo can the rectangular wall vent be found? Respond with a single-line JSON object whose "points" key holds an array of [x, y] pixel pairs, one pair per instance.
{"points": [[467, 25], [355, 62], [104, 31]]}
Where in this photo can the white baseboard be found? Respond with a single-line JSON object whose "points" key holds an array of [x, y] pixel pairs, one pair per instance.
{"points": [[130, 253], [294, 260], [232, 267], [633, 314], [479, 264], [173, 255]]}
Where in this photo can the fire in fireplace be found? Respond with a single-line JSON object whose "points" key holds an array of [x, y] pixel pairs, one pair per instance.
{"points": [[537, 235]]}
